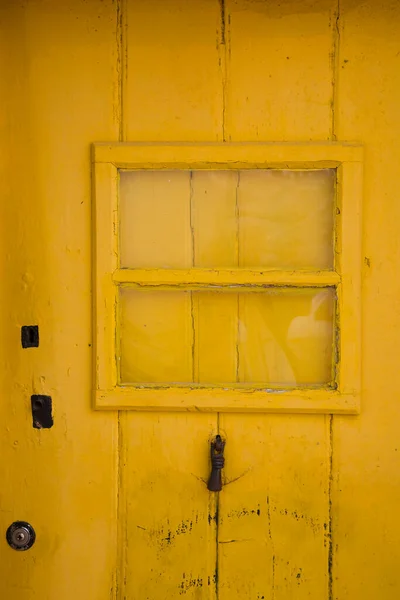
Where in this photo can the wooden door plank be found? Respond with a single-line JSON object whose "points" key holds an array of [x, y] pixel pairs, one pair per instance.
{"points": [[273, 535], [279, 77], [366, 452], [59, 81], [274, 528], [174, 85], [173, 92], [167, 513]]}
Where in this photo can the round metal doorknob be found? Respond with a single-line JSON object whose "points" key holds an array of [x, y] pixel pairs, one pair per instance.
{"points": [[20, 535]]}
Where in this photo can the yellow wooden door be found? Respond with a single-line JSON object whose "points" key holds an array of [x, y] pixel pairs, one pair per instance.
{"points": [[182, 186]]}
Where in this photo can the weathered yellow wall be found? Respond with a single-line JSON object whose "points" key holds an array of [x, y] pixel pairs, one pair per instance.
{"points": [[82, 71]]}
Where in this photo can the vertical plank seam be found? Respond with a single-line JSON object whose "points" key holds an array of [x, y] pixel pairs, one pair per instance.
{"points": [[335, 69], [195, 374], [222, 11], [221, 43], [192, 298], [272, 550], [330, 516], [216, 574], [119, 47], [334, 134], [191, 219], [124, 67], [228, 51], [121, 67], [121, 566], [122, 533], [237, 214]]}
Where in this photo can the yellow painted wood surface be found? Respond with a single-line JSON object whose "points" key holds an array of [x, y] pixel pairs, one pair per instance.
{"points": [[366, 462], [254, 278], [244, 573], [213, 398], [57, 72], [169, 517], [173, 89], [274, 515], [279, 78], [106, 261], [241, 155], [326, 488]]}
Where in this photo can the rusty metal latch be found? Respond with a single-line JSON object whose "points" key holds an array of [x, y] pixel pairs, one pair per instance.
{"points": [[217, 464]]}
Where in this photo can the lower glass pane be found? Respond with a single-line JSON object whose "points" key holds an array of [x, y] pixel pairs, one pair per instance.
{"points": [[277, 337]]}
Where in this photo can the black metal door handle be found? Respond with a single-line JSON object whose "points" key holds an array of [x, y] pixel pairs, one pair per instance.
{"points": [[217, 464]]}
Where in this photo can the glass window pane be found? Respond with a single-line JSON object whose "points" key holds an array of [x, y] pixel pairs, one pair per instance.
{"points": [[254, 218], [286, 219], [275, 337], [156, 336], [215, 219], [154, 216], [286, 337]]}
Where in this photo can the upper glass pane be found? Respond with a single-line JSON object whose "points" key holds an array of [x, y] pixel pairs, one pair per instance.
{"points": [[255, 218]]}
